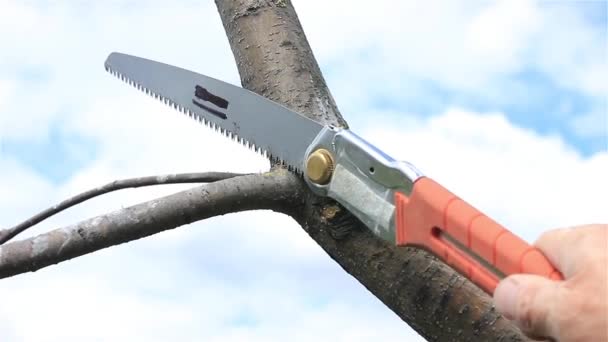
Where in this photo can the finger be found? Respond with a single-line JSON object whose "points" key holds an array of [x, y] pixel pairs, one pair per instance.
{"points": [[530, 301], [552, 244], [570, 249]]}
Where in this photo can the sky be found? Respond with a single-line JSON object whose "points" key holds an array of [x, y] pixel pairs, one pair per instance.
{"points": [[503, 102]]}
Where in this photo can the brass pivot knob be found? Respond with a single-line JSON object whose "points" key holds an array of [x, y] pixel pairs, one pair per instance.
{"points": [[320, 166]]}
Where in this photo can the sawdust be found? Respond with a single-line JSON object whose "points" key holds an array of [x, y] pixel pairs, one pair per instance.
{"points": [[329, 212]]}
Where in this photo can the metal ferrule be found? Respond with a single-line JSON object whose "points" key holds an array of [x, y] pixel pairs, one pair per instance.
{"points": [[364, 179]]}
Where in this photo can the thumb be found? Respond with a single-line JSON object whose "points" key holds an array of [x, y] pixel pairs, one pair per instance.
{"points": [[530, 301]]}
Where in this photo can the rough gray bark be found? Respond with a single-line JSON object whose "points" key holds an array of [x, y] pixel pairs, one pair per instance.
{"points": [[275, 60]]}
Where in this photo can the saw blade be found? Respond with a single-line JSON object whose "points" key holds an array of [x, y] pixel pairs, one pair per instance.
{"points": [[255, 121]]}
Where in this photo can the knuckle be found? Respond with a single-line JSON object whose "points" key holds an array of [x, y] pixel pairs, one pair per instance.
{"points": [[529, 316], [547, 238], [547, 235]]}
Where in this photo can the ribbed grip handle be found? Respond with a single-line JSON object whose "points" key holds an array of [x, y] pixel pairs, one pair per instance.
{"points": [[469, 241]]}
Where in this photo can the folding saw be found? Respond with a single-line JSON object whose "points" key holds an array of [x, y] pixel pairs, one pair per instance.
{"points": [[392, 198]]}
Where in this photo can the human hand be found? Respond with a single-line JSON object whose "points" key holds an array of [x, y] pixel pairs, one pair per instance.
{"points": [[575, 309]]}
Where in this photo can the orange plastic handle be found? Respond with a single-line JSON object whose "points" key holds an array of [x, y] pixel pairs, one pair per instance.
{"points": [[464, 238]]}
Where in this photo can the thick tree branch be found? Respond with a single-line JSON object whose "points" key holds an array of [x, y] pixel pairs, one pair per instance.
{"points": [[176, 178], [275, 60], [277, 190]]}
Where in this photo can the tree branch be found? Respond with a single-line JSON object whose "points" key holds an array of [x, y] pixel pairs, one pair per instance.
{"points": [[277, 190], [204, 177], [275, 60]]}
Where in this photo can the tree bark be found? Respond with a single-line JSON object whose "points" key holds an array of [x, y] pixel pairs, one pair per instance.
{"points": [[275, 60]]}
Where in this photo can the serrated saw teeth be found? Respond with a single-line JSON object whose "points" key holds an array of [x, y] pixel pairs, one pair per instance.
{"points": [[224, 131]]}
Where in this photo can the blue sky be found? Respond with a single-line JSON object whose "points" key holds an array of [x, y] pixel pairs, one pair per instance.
{"points": [[504, 102]]}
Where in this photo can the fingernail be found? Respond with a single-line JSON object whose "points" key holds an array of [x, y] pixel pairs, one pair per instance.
{"points": [[505, 297]]}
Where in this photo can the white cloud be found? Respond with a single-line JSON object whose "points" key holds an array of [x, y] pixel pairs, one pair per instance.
{"points": [[19, 182], [465, 46], [66, 46], [574, 54], [19, 18], [499, 34], [470, 47], [104, 312], [5, 92]]}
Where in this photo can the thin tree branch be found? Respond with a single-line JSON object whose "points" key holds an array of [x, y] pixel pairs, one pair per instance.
{"points": [[201, 177], [276, 190]]}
